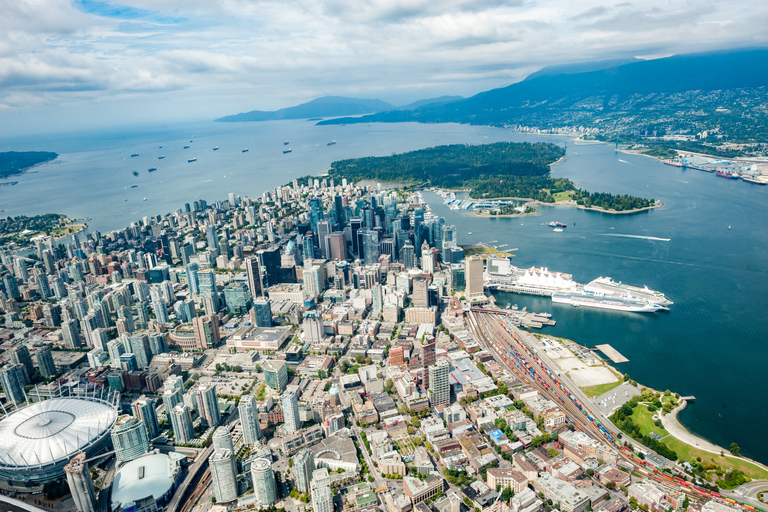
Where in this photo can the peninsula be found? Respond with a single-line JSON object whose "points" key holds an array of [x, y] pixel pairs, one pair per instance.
{"points": [[16, 162]]}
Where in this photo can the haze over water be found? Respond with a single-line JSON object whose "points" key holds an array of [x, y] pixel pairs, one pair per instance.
{"points": [[710, 345]]}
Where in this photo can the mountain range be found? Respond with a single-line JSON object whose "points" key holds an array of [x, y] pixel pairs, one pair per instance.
{"points": [[719, 91]]}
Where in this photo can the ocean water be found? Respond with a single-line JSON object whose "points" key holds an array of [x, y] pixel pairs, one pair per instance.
{"points": [[711, 345]]}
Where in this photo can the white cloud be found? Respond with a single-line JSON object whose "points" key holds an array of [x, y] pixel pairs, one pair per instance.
{"points": [[245, 54]]}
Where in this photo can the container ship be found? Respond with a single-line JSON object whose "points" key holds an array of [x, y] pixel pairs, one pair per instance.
{"points": [[152, 169], [192, 160], [134, 155], [606, 285], [287, 151], [612, 302]]}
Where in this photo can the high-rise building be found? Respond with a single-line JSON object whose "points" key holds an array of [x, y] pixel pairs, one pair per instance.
{"points": [[80, 483], [71, 334], [439, 384], [275, 374], [253, 270], [207, 404], [427, 359], [290, 412], [371, 249], [20, 355], [223, 475], [171, 397], [264, 485], [12, 379], [129, 437], [249, 419], [408, 255], [315, 211], [192, 281], [181, 422], [140, 349], [262, 312], [473, 274], [206, 330], [303, 466], [145, 409], [238, 299], [222, 439], [269, 259], [322, 498], [338, 246], [212, 239], [420, 295], [45, 361]]}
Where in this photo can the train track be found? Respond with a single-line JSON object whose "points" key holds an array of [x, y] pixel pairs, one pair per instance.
{"points": [[513, 353], [198, 492]]}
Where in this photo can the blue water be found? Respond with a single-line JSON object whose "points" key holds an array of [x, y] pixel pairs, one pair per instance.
{"points": [[710, 345]]}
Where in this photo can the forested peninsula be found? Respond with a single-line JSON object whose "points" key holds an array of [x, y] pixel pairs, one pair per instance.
{"points": [[16, 162], [502, 169]]}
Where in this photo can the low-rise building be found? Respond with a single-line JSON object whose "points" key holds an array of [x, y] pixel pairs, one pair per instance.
{"points": [[511, 478], [569, 497], [422, 490]]}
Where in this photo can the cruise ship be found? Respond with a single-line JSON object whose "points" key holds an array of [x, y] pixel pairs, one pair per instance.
{"points": [[606, 285], [600, 301]]}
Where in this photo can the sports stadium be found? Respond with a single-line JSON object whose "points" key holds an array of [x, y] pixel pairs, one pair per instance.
{"points": [[38, 440]]}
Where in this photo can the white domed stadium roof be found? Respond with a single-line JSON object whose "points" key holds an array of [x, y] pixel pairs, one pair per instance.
{"points": [[53, 431]]}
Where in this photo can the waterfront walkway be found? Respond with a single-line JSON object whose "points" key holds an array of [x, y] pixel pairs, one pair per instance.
{"points": [[673, 426]]}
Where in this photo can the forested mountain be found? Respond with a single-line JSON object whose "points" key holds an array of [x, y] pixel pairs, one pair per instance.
{"points": [[678, 94], [328, 106]]}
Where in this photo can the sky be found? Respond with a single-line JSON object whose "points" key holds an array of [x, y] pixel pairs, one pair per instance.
{"points": [[66, 63]]}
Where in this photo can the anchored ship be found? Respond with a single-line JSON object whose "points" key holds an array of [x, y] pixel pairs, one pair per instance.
{"points": [[606, 285], [600, 301]]}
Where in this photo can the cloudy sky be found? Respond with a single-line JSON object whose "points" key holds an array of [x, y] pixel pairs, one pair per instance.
{"points": [[99, 61]]}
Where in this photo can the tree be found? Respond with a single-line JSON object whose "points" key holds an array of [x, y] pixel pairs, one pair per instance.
{"points": [[735, 450], [507, 494]]}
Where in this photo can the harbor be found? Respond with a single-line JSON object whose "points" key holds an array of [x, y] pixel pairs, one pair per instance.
{"points": [[748, 172]]}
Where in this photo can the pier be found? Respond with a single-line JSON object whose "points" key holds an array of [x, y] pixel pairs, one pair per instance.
{"points": [[521, 317], [612, 353]]}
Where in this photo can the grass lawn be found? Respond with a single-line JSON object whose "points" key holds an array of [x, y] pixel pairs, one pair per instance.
{"points": [[685, 452], [593, 391], [562, 196], [66, 230], [485, 252]]}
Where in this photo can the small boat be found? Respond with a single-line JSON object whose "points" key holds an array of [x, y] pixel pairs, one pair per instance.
{"points": [[192, 160], [134, 154], [144, 199], [134, 186], [186, 147], [161, 157], [245, 150], [287, 151], [216, 148], [135, 173], [469, 233], [558, 230], [161, 147], [152, 169], [286, 143], [331, 143], [190, 141]]}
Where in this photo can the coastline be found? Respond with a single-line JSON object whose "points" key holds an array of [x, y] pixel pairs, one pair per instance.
{"points": [[484, 214]]}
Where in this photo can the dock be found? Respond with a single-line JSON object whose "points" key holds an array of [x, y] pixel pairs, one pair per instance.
{"points": [[612, 353], [521, 317]]}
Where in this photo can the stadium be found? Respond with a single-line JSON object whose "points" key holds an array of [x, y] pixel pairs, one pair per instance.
{"points": [[38, 440]]}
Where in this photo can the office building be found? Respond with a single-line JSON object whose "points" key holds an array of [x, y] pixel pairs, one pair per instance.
{"points": [[80, 483], [206, 330], [140, 349], [129, 438], [264, 485], [439, 384], [473, 274], [223, 475], [181, 422], [322, 498], [249, 419], [290, 412], [303, 467], [238, 298], [262, 312], [420, 295], [275, 374], [254, 277], [338, 246]]}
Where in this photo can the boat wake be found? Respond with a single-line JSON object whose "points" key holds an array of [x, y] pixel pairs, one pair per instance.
{"points": [[623, 161], [621, 235]]}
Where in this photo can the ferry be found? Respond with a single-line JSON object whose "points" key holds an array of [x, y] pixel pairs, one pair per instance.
{"points": [[287, 151], [192, 160], [152, 169], [161, 157], [216, 148], [593, 300], [731, 175], [331, 143], [134, 154], [557, 224], [186, 147]]}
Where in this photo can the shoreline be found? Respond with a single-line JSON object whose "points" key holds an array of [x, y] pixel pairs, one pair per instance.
{"points": [[485, 215]]}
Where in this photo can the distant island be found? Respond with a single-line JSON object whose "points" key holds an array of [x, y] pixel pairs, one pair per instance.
{"points": [[331, 106], [16, 162], [20, 231], [489, 171]]}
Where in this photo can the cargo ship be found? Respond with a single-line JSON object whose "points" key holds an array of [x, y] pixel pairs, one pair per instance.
{"points": [[216, 148], [134, 154], [287, 151], [755, 181], [331, 143], [192, 160], [612, 302], [161, 157], [245, 150], [152, 169], [186, 147], [286, 143], [731, 175], [606, 285]]}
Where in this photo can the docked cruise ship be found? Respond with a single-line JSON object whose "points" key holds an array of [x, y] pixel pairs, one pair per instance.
{"points": [[601, 301], [606, 285], [602, 293]]}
